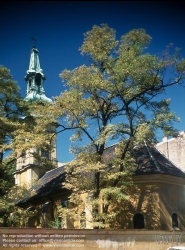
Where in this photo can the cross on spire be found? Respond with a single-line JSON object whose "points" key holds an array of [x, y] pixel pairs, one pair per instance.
{"points": [[34, 41]]}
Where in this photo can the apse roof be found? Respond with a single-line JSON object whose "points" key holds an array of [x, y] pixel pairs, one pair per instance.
{"points": [[152, 161], [149, 160]]}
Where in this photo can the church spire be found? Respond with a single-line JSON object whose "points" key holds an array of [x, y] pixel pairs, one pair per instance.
{"points": [[35, 79]]}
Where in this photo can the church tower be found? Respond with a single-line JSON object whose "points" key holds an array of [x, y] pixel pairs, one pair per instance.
{"points": [[35, 79], [28, 169]]}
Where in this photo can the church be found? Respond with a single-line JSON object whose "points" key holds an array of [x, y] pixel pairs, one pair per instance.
{"points": [[156, 200]]}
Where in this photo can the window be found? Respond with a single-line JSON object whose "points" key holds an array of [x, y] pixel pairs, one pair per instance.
{"points": [[23, 157], [138, 221], [175, 220], [64, 203], [38, 80], [29, 82], [45, 153]]}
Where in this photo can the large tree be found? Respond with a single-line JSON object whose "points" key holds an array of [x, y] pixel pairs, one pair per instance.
{"points": [[11, 109], [116, 96]]}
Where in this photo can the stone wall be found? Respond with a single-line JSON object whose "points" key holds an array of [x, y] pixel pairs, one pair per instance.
{"points": [[28, 238], [174, 149]]}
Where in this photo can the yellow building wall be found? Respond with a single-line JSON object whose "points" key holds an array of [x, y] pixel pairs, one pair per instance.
{"points": [[23, 178], [156, 197], [143, 199]]}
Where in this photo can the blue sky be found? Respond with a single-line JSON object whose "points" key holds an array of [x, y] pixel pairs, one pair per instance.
{"points": [[59, 29]]}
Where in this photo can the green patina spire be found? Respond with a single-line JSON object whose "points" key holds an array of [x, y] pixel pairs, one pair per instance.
{"points": [[35, 79]]}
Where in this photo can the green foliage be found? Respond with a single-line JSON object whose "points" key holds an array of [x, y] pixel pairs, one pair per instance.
{"points": [[57, 223], [116, 97], [12, 215], [99, 42], [10, 110], [22, 126]]}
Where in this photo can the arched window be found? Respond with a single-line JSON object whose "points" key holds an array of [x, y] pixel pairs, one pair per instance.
{"points": [[175, 220], [138, 221]]}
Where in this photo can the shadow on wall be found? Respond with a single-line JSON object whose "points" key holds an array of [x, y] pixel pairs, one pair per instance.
{"points": [[140, 210], [172, 201]]}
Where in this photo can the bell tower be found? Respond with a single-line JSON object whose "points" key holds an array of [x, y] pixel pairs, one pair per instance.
{"points": [[28, 169], [35, 79]]}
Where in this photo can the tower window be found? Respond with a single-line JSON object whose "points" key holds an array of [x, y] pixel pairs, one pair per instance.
{"points": [[38, 80], [29, 82], [45, 153]]}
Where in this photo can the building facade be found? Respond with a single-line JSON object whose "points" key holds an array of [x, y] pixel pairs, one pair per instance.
{"points": [[156, 198]]}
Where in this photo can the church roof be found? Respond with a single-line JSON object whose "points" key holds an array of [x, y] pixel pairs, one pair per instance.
{"points": [[151, 161], [148, 158], [49, 183]]}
